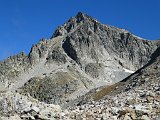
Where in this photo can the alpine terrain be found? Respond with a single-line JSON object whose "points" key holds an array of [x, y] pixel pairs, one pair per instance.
{"points": [[85, 71]]}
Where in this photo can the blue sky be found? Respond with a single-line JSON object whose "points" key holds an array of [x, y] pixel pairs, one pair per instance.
{"points": [[25, 22]]}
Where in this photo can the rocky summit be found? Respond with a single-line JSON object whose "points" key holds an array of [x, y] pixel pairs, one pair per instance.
{"points": [[85, 71]]}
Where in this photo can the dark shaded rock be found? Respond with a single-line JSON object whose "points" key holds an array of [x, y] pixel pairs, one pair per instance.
{"points": [[56, 56]]}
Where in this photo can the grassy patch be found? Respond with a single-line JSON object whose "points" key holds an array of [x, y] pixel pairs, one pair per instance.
{"points": [[104, 91]]}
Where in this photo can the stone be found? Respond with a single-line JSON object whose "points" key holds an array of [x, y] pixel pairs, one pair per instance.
{"points": [[127, 117], [145, 117], [36, 109], [15, 117]]}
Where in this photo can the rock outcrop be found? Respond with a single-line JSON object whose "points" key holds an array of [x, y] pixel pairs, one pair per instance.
{"points": [[14, 106], [90, 41]]}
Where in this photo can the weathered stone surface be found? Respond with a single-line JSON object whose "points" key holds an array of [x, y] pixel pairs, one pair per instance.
{"points": [[14, 106]]}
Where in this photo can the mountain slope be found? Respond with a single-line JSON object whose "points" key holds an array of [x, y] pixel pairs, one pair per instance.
{"points": [[148, 74], [135, 97]]}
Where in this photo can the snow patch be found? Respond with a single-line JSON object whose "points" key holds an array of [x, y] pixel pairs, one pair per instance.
{"points": [[127, 70], [139, 37]]}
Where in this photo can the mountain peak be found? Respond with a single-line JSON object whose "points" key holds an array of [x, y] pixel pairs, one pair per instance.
{"points": [[81, 16], [80, 19], [80, 13], [72, 23]]}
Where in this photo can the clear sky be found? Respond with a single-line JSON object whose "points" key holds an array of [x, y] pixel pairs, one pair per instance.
{"points": [[25, 22]]}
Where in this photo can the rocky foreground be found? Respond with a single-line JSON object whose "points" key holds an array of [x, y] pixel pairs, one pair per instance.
{"points": [[141, 103]]}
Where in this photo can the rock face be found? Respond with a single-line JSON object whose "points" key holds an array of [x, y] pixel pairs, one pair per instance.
{"points": [[135, 97], [90, 40], [81, 55]]}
